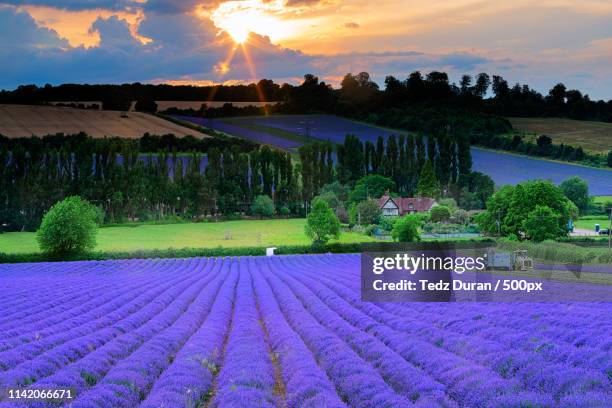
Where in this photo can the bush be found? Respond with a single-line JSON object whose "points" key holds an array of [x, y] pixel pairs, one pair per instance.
{"points": [[68, 228], [406, 229], [284, 211], [262, 206], [387, 223], [439, 213], [450, 203], [370, 229], [368, 212], [461, 216], [321, 224]]}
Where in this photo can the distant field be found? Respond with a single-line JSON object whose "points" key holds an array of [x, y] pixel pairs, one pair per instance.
{"points": [[163, 105], [200, 235], [287, 132], [595, 137], [28, 120], [602, 199]]}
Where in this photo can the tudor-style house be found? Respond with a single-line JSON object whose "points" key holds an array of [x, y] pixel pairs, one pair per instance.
{"points": [[391, 206]]}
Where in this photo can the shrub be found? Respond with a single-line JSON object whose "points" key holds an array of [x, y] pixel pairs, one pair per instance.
{"points": [[386, 223], [284, 210], [68, 228], [439, 213], [406, 229], [321, 224], [370, 229], [461, 216], [450, 203], [368, 212], [262, 206]]}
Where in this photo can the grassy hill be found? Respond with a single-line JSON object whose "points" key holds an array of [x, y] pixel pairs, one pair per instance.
{"points": [[594, 137], [28, 120], [227, 234]]}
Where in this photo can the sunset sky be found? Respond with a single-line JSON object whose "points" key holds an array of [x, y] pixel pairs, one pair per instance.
{"points": [[114, 41]]}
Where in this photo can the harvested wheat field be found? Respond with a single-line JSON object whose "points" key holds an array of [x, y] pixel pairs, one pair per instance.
{"points": [[28, 120], [595, 137]]}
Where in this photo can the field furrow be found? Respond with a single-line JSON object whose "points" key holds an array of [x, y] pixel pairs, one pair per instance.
{"points": [[285, 332]]}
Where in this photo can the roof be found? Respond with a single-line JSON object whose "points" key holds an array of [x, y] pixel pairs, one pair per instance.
{"points": [[406, 204]]}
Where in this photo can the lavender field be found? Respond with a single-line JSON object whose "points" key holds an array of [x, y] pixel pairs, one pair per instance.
{"points": [[286, 331], [503, 168]]}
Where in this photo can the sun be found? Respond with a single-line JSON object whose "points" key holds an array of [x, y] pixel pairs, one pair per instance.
{"points": [[238, 26], [241, 18]]}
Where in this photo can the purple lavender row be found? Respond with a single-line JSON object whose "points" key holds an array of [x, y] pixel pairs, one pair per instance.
{"points": [[581, 331], [467, 383], [92, 292], [79, 351], [18, 288], [593, 328], [65, 290], [246, 378], [86, 372], [306, 383], [548, 348], [189, 379], [118, 310], [405, 378], [544, 381], [358, 384], [79, 312], [129, 381]]}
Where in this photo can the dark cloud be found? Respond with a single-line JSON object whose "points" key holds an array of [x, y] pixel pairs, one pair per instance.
{"points": [[18, 30], [114, 5], [174, 7], [183, 46], [351, 25]]}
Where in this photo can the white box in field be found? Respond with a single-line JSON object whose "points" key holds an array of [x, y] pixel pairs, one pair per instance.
{"points": [[270, 251]]}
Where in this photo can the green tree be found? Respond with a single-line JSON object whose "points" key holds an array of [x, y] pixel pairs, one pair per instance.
{"points": [[577, 190], [331, 199], [428, 183], [542, 223], [146, 105], [609, 158], [449, 202], [406, 229], [508, 208], [321, 223], [68, 228], [262, 206], [371, 186], [368, 212], [440, 213]]}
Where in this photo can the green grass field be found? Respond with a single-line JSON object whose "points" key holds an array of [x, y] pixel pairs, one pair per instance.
{"points": [[200, 235], [594, 137], [602, 199], [590, 221]]}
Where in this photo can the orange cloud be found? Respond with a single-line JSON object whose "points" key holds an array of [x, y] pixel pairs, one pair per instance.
{"points": [[75, 25]]}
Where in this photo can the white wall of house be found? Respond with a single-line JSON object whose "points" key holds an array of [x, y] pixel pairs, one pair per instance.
{"points": [[390, 209]]}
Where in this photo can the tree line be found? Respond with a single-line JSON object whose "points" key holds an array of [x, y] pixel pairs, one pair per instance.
{"points": [[357, 96], [152, 178]]}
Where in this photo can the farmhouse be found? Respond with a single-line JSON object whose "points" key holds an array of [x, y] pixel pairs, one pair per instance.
{"points": [[391, 206]]}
